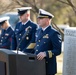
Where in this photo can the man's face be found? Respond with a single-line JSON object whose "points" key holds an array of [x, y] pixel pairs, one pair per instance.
{"points": [[3, 26], [42, 22], [24, 17]]}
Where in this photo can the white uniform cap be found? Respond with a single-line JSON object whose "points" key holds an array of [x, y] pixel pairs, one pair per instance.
{"points": [[23, 10], [3, 19], [43, 13]]}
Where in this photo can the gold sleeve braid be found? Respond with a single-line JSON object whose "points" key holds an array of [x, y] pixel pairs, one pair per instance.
{"points": [[50, 54]]}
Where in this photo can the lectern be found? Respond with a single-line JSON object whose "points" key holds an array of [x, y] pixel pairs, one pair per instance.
{"points": [[12, 63]]}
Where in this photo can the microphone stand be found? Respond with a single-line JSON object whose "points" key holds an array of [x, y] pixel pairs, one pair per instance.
{"points": [[28, 30]]}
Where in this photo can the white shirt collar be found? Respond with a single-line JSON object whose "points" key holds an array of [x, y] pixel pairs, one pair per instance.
{"points": [[45, 28], [7, 28], [25, 22]]}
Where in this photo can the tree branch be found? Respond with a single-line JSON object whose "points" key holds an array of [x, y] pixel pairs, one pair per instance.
{"points": [[18, 2], [60, 30], [70, 4], [34, 6], [63, 2]]}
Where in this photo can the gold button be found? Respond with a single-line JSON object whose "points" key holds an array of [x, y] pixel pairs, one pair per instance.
{"points": [[27, 38], [44, 42], [20, 34], [37, 45], [19, 38], [39, 40], [1, 40], [36, 50], [2, 37]]}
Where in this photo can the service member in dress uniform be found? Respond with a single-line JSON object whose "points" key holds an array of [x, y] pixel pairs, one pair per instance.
{"points": [[21, 28], [6, 33], [48, 42]]}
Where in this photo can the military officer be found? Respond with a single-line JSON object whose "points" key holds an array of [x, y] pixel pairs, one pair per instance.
{"points": [[6, 33], [21, 28], [48, 42]]}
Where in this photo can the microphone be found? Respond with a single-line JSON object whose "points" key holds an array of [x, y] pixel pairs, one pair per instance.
{"points": [[28, 29]]}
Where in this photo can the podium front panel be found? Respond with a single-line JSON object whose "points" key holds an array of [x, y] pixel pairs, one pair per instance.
{"points": [[8, 58], [29, 65], [19, 64], [2, 68]]}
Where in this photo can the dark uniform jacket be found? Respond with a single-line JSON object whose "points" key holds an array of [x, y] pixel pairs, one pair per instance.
{"points": [[28, 43], [6, 38], [49, 41]]}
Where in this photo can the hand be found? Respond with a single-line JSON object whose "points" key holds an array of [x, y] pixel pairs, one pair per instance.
{"points": [[41, 55]]}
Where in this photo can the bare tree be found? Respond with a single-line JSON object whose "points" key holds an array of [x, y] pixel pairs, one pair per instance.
{"points": [[34, 3], [70, 3]]}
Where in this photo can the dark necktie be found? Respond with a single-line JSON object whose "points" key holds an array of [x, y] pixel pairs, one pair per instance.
{"points": [[41, 31], [4, 31]]}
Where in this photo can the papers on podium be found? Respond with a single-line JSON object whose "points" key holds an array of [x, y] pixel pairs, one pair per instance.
{"points": [[19, 52]]}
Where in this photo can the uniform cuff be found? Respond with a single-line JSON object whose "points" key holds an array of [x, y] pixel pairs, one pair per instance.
{"points": [[49, 54]]}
